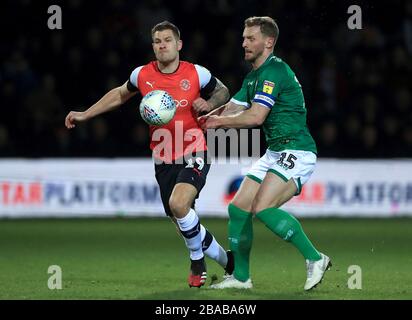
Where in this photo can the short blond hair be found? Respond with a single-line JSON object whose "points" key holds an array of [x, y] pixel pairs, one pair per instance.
{"points": [[267, 25]]}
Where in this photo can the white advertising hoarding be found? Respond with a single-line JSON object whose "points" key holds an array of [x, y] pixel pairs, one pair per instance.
{"points": [[108, 187]]}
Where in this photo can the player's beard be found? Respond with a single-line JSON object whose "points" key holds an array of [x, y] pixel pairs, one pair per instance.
{"points": [[253, 56]]}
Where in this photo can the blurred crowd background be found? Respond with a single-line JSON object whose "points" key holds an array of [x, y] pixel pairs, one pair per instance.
{"points": [[357, 83]]}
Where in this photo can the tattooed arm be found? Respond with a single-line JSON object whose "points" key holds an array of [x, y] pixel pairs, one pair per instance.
{"points": [[217, 97]]}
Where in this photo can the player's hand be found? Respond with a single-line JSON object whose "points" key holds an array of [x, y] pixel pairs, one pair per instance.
{"points": [[74, 117], [201, 106], [201, 120], [210, 122]]}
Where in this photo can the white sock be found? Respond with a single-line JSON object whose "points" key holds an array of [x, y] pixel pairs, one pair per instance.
{"points": [[189, 227], [212, 248]]}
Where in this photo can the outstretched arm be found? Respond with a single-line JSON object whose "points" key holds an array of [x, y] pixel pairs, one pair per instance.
{"points": [[227, 109], [111, 100], [249, 118]]}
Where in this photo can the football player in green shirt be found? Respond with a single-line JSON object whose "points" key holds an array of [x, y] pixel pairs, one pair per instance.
{"points": [[270, 96]]}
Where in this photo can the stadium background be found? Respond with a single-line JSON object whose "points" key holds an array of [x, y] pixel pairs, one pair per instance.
{"points": [[357, 86]]}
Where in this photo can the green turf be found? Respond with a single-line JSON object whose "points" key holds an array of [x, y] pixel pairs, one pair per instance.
{"points": [[146, 259]]}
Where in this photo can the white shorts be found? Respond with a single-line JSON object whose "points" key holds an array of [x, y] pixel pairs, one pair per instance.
{"points": [[287, 164]]}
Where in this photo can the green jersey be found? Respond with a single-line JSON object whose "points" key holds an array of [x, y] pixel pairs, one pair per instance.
{"points": [[275, 86]]}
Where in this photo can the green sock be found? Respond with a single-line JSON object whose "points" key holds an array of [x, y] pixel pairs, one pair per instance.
{"points": [[240, 239], [289, 229]]}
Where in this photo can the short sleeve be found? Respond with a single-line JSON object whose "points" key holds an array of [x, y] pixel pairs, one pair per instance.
{"points": [[133, 79], [204, 76], [268, 87]]}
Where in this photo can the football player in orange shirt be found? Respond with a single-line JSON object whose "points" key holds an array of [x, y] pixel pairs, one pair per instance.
{"points": [[181, 159]]}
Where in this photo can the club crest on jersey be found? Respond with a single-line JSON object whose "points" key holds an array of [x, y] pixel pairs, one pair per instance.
{"points": [[185, 85], [268, 87]]}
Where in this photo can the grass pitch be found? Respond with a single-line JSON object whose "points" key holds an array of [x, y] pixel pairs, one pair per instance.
{"points": [[146, 259]]}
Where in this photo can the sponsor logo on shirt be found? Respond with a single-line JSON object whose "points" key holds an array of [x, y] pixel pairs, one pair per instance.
{"points": [[181, 103]]}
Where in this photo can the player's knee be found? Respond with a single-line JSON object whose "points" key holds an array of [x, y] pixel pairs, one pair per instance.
{"points": [[178, 207]]}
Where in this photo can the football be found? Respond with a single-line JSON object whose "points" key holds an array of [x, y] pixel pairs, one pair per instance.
{"points": [[157, 108]]}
